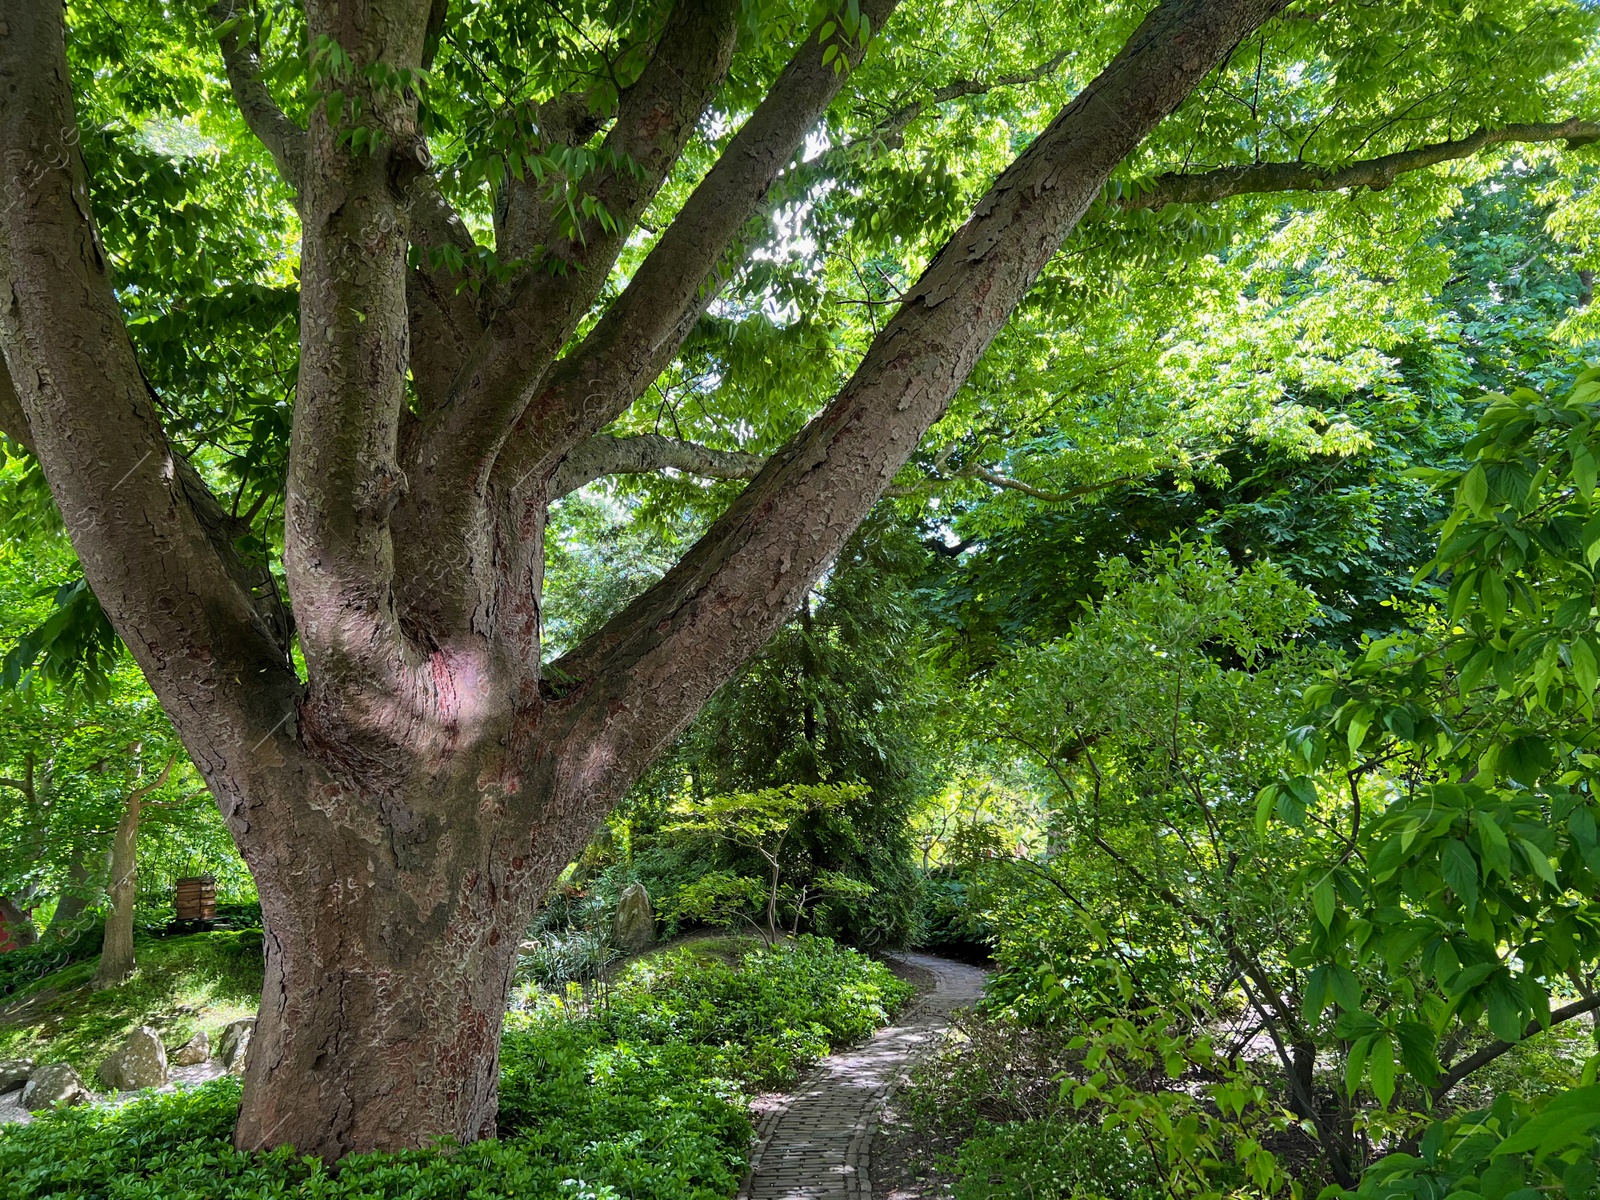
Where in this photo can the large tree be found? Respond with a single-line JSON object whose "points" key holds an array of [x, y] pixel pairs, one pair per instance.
{"points": [[406, 792]]}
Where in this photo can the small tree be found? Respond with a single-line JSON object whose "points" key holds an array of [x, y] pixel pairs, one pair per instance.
{"points": [[116, 951], [763, 822]]}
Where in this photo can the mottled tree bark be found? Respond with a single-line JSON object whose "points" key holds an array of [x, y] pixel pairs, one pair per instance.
{"points": [[404, 807]]}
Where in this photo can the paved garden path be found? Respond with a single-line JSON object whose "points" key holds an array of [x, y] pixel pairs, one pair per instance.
{"points": [[818, 1143]]}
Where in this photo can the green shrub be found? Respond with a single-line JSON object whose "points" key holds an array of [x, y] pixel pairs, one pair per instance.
{"points": [[782, 1008], [176, 1147], [1052, 1159], [568, 956], [641, 1095]]}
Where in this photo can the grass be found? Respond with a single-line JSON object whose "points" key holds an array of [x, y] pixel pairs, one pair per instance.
{"points": [[183, 985]]}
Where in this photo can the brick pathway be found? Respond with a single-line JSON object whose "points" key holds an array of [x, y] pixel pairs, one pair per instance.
{"points": [[818, 1144]]}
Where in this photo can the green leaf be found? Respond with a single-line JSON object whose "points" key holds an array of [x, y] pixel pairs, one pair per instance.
{"points": [[1506, 1017], [1355, 1066], [1475, 489], [1381, 1060], [1460, 871], [1470, 977], [1583, 666], [1265, 799], [1360, 722], [1346, 989], [1493, 845], [1565, 1120], [1539, 861], [1322, 900], [1316, 996], [1492, 595], [1525, 759], [1386, 860], [1418, 1050], [1591, 539], [1583, 470]]}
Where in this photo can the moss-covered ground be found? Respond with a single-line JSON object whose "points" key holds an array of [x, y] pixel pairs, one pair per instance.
{"points": [[183, 985]]}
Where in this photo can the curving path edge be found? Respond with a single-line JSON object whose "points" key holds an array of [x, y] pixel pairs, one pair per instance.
{"points": [[818, 1143]]}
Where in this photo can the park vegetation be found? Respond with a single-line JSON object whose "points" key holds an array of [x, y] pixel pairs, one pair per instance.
{"points": [[1106, 492]]}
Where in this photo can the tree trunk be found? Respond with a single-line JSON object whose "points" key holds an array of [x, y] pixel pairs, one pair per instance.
{"points": [[390, 946], [375, 1030], [403, 807], [73, 901], [19, 929], [116, 952]]}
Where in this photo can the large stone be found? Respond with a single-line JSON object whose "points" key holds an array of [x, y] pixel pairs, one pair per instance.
{"points": [[54, 1085], [193, 1052], [140, 1063], [634, 929], [14, 1072], [234, 1046]]}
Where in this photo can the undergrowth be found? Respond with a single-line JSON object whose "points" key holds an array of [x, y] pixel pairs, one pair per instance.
{"points": [[642, 1095]]}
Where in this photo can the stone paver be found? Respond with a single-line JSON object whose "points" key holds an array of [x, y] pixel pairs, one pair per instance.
{"points": [[818, 1143]]}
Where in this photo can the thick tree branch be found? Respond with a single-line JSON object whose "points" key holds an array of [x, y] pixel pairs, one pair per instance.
{"points": [[344, 478], [1494, 1050], [642, 331], [13, 420], [284, 140], [643, 453], [444, 311], [183, 602], [444, 306], [641, 678], [1206, 187], [456, 446]]}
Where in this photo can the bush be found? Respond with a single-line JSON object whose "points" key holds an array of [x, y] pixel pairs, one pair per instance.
{"points": [[1053, 1160], [639, 1094], [769, 1014], [951, 924], [607, 1144], [560, 957]]}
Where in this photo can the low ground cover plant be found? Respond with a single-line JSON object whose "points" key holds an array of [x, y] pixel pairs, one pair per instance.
{"points": [[640, 1094], [1051, 1158]]}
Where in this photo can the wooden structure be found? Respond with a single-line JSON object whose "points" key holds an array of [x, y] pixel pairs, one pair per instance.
{"points": [[195, 898]]}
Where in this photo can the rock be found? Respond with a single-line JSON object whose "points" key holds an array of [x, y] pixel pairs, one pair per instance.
{"points": [[54, 1085], [193, 1052], [141, 1063], [14, 1072], [234, 1047], [634, 929]]}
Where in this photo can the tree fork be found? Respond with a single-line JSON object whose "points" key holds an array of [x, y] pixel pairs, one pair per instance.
{"points": [[403, 817]]}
